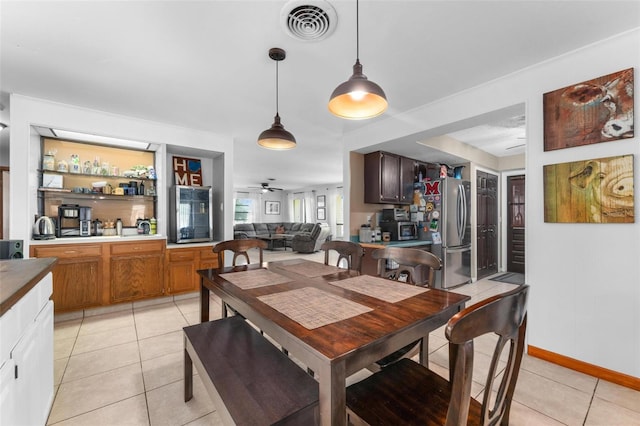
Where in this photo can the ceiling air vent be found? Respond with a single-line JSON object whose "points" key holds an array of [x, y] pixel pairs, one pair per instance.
{"points": [[309, 20]]}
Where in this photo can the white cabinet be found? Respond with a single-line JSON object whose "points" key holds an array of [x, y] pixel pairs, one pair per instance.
{"points": [[26, 390]]}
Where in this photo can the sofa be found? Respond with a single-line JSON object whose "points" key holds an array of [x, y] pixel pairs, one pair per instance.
{"points": [[301, 237]]}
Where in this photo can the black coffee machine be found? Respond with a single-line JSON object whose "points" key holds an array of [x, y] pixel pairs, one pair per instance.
{"points": [[73, 221]]}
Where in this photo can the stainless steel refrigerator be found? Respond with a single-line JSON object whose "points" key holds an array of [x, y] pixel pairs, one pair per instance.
{"points": [[191, 217], [448, 203]]}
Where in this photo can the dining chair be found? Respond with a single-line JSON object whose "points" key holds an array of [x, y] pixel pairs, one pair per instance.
{"points": [[408, 393], [348, 251], [239, 248], [414, 267]]}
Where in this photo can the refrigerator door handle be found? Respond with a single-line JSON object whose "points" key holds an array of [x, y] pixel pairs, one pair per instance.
{"points": [[463, 202], [460, 212]]}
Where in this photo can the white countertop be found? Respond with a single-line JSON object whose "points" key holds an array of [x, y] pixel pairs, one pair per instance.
{"points": [[114, 239]]}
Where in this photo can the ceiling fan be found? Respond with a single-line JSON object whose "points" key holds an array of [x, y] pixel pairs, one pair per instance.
{"points": [[265, 187]]}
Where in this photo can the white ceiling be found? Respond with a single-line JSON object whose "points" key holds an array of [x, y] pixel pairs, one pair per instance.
{"points": [[204, 64]]}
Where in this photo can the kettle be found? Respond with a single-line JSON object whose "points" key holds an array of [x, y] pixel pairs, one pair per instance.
{"points": [[44, 229]]}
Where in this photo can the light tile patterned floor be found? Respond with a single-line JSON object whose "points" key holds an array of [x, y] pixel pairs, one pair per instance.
{"points": [[125, 368]]}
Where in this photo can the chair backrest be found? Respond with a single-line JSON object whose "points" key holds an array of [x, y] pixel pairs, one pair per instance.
{"points": [[506, 316], [239, 248], [351, 252], [414, 264]]}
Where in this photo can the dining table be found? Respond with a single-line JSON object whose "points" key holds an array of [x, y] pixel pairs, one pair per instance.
{"points": [[334, 321]]}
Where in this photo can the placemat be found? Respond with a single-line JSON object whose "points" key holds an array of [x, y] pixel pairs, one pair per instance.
{"points": [[313, 308], [256, 278], [380, 288], [312, 269]]}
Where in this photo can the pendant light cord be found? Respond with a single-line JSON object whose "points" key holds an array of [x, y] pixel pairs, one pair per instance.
{"points": [[277, 90], [357, 31]]}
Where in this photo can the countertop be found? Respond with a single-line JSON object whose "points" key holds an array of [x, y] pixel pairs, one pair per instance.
{"points": [[18, 276], [114, 239], [408, 243]]}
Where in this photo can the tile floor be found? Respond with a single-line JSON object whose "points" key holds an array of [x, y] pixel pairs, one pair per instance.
{"points": [[125, 368]]}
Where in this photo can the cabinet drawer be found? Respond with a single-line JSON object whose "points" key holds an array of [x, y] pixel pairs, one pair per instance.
{"points": [[208, 254], [135, 247], [181, 255], [68, 252]]}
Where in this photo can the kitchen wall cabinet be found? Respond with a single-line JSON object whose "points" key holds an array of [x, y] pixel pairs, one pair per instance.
{"points": [[388, 178], [183, 264], [136, 270], [78, 277], [428, 171]]}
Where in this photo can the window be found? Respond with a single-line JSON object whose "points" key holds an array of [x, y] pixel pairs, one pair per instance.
{"points": [[298, 209], [339, 211], [244, 211]]}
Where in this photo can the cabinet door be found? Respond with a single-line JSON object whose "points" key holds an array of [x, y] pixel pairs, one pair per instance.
{"points": [[8, 403], [407, 178], [136, 277], [78, 275], [389, 178], [77, 283], [208, 260], [181, 274]]}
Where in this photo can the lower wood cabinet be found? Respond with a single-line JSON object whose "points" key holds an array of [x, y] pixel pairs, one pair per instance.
{"points": [[183, 264], [78, 277], [137, 270], [89, 275]]}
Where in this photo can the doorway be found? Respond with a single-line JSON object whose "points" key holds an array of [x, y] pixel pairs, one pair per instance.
{"points": [[515, 223]]}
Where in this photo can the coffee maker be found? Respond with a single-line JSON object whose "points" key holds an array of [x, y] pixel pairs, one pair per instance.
{"points": [[73, 221], [85, 221]]}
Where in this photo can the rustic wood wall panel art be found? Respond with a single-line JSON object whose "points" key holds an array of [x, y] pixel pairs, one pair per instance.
{"points": [[598, 110], [590, 191]]}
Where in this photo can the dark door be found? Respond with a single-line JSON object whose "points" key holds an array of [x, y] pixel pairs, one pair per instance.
{"points": [[515, 223], [487, 223]]}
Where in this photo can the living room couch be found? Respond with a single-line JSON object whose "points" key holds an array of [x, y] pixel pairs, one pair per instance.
{"points": [[301, 237]]}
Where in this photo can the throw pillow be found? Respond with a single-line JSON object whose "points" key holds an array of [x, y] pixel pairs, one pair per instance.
{"points": [[280, 230]]}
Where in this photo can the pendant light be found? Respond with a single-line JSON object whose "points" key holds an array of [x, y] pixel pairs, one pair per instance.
{"points": [[358, 98], [277, 138]]}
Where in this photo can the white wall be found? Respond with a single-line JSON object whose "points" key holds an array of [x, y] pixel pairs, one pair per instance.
{"points": [[585, 278], [25, 153]]}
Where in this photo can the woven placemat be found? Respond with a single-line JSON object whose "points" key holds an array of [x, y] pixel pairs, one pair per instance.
{"points": [[313, 308], [380, 288], [312, 269], [256, 278]]}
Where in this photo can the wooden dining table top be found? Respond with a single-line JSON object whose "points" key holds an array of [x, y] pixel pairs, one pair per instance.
{"points": [[355, 329], [339, 338]]}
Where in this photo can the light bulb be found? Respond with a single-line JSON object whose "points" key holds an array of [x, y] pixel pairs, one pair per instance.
{"points": [[358, 95]]}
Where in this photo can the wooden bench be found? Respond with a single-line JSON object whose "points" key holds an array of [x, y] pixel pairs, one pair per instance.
{"points": [[250, 381]]}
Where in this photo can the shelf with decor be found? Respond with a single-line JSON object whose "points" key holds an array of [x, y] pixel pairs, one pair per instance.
{"points": [[113, 182]]}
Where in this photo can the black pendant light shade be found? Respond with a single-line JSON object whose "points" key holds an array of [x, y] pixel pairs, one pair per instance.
{"points": [[276, 137], [358, 98]]}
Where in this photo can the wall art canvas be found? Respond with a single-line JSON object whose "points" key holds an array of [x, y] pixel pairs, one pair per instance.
{"points": [[272, 207], [590, 191], [594, 111], [187, 171]]}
